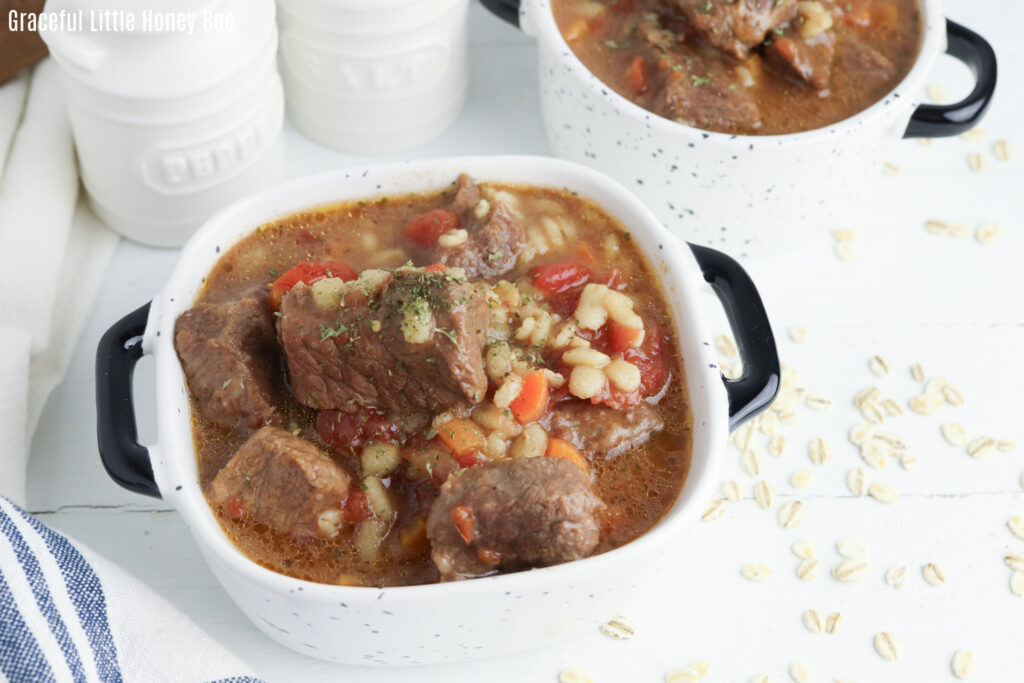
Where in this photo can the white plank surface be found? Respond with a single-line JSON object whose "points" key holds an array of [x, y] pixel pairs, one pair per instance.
{"points": [[952, 305]]}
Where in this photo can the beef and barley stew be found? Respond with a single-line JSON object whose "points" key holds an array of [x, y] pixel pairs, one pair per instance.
{"points": [[435, 387], [753, 67]]}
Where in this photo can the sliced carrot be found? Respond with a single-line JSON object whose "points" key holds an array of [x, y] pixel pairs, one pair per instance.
{"points": [[786, 48], [234, 508], [462, 436], [586, 254], [462, 518], [637, 75], [532, 400], [560, 448], [576, 30]]}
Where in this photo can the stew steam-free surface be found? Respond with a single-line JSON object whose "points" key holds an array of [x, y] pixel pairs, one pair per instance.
{"points": [[435, 387]]}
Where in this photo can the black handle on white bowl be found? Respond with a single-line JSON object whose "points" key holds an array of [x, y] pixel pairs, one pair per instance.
{"points": [[124, 458], [756, 389], [946, 120], [504, 9]]}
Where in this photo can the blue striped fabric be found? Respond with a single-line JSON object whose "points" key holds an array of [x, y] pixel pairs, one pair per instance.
{"points": [[49, 592]]}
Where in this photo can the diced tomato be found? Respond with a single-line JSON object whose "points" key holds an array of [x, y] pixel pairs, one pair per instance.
{"points": [[622, 338], [615, 280], [600, 339], [637, 75], [347, 432], [650, 359], [234, 507], [470, 458], [308, 272], [436, 268], [357, 506], [559, 277], [425, 229]]}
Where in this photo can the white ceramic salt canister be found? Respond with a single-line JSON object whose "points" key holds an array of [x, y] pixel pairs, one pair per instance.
{"points": [[176, 107], [374, 76]]}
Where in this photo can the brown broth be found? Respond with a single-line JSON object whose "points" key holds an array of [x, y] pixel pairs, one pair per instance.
{"points": [[639, 486], [786, 105]]}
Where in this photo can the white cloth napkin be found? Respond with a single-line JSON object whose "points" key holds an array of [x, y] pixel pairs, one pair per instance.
{"points": [[53, 253]]}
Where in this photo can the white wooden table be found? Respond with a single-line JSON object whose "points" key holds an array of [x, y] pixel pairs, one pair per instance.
{"points": [[952, 305]]}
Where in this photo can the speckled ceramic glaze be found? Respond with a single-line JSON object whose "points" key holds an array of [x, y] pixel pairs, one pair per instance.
{"points": [[744, 194], [460, 620]]}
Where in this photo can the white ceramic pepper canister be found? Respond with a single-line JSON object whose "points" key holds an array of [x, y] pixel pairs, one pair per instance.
{"points": [[176, 107], [374, 76]]}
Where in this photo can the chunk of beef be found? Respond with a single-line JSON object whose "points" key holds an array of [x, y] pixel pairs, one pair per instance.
{"points": [[410, 342], [805, 59], [284, 482], [229, 352], [495, 234], [866, 64], [602, 432], [512, 514], [714, 102], [736, 26]]}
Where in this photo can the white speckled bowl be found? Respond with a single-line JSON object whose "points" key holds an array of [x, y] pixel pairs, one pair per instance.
{"points": [[431, 623], [745, 194]]}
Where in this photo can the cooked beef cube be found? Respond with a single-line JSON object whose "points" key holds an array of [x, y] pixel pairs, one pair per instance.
{"points": [[712, 101], [602, 432], [495, 235], [736, 26], [284, 482], [229, 353], [512, 514], [868, 65], [409, 341], [806, 59]]}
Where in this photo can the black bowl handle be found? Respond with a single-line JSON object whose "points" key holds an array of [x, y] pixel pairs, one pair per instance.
{"points": [[756, 389], [504, 9], [946, 120], [124, 458]]}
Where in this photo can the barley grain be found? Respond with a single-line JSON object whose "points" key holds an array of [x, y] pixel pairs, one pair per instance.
{"points": [[884, 493], [731, 491], [752, 463], [896, 576], [820, 452], [982, 447], [756, 572], [808, 569], [963, 663], [686, 675], [1017, 583], [856, 481], [792, 514], [801, 479], [887, 646], [777, 445], [852, 550], [799, 672], [574, 675], [917, 372], [714, 510], [933, 574], [765, 494], [879, 366], [1002, 150], [954, 433], [833, 622], [977, 161], [726, 346], [618, 628], [849, 571], [813, 621], [1016, 527], [803, 549]]}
